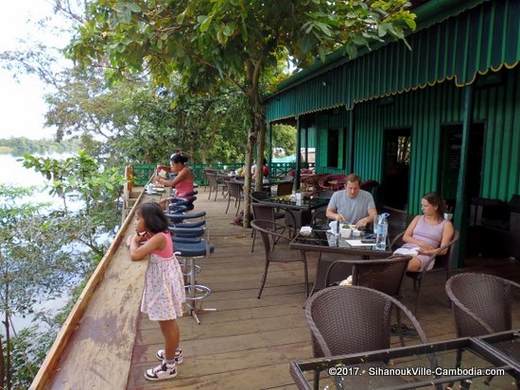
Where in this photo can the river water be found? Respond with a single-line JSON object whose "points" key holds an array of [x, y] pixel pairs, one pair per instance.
{"points": [[12, 172]]}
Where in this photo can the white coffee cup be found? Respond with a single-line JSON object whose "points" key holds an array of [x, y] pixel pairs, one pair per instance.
{"points": [[356, 233], [305, 230], [345, 232], [448, 216]]}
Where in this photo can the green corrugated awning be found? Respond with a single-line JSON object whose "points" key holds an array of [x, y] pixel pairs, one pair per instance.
{"points": [[481, 39]]}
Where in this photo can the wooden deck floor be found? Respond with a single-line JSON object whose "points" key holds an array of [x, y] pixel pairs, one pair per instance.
{"points": [[248, 343]]}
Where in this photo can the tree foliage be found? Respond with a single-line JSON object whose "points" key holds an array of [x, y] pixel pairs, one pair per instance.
{"points": [[284, 136], [141, 123], [96, 188], [237, 41], [35, 262], [18, 146]]}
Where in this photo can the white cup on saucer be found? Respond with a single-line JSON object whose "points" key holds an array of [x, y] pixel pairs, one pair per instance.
{"points": [[356, 233]]}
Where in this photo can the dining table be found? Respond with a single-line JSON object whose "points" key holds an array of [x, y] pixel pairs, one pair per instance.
{"points": [[470, 362], [299, 212], [325, 241]]}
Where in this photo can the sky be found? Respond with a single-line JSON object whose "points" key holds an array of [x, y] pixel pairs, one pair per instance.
{"points": [[22, 105]]}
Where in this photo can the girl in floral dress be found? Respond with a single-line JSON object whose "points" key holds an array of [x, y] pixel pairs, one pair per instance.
{"points": [[163, 293]]}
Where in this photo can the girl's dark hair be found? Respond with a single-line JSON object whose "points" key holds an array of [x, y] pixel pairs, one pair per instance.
{"points": [[178, 158], [154, 219], [435, 200]]}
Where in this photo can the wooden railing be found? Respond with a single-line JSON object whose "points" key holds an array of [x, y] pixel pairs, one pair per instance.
{"points": [[142, 172], [50, 364]]}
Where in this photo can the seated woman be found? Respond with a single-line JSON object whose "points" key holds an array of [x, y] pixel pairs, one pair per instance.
{"points": [[183, 182], [427, 234]]}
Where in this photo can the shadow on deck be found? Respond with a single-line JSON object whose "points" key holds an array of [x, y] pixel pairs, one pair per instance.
{"points": [[249, 342]]}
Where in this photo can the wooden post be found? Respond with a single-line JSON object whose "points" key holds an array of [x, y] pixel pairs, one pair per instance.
{"points": [[351, 140], [296, 184], [461, 210]]}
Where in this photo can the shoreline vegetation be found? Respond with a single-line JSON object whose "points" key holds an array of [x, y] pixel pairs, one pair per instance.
{"points": [[18, 146]]}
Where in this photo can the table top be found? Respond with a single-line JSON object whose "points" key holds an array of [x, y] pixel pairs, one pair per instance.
{"points": [[322, 240], [506, 344], [411, 367], [305, 204]]}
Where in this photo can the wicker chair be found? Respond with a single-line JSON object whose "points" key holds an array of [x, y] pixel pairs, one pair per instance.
{"points": [[262, 211], [284, 188], [345, 320], [235, 192], [385, 275], [213, 184], [205, 176], [325, 182], [442, 262], [270, 233], [481, 303]]}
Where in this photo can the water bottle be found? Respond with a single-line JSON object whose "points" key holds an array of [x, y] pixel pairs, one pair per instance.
{"points": [[381, 231]]}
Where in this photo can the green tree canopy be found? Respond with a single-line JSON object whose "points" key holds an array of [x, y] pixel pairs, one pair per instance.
{"points": [[238, 41]]}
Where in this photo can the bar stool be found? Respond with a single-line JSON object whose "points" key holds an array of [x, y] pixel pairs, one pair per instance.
{"points": [[195, 293], [180, 216]]}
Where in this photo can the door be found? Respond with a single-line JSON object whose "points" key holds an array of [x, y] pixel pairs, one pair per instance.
{"points": [[396, 168]]}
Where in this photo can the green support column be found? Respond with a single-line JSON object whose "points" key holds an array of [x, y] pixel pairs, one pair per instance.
{"points": [[461, 210], [270, 154], [351, 140], [307, 146], [296, 184]]}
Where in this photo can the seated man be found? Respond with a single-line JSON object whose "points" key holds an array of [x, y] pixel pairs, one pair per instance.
{"points": [[352, 205]]}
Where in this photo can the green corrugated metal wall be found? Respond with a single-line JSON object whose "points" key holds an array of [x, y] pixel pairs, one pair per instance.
{"points": [[425, 112], [312, 137], [325, 121], [483, 38], [499, 108]]}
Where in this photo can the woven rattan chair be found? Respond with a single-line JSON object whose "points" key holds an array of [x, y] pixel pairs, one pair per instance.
{"points": [[213, 184], [481, 305], [205, 176], [284, 188], [442, 263], [385, 275], [262, 211], [235, 192], [270, 233], [354, 319]]}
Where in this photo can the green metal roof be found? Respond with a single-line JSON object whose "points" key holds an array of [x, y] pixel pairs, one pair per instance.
{"points": [[483, 36]]}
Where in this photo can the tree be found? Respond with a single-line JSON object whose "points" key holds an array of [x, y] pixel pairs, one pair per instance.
{"points": [[236, 41], [35, 264], [284, 136], [81, 177], [141, 123]]}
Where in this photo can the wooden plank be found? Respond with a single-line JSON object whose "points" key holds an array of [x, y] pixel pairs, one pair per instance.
{"points": [[261, 377], [247, 343], [214, 364], [53, 356], [231, 343], [219, 317], [192, 331]]}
